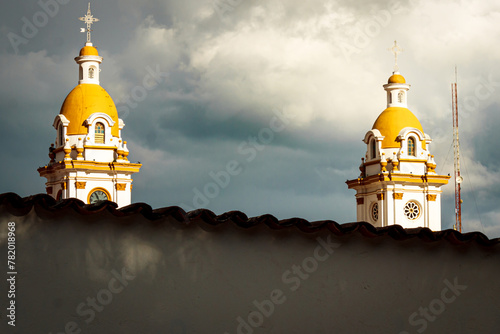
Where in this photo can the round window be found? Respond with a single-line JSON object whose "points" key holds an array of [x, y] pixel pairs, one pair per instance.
{"points": [[97, 195], [375, 212], [412, 210]]}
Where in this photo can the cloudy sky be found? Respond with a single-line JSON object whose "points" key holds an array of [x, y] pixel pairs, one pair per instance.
{"points": [[272, 98]]}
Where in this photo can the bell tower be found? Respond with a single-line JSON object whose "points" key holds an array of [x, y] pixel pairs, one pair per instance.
{"points": [[89, 158], [398, 183]]}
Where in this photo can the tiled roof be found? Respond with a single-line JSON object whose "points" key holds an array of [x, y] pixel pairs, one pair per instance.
{"points": [[46, 207]]}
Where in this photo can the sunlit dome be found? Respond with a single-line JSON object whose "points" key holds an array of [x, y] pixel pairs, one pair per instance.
{"points": [[83, 101], [391, 121], [396, 78], [88, 51]]}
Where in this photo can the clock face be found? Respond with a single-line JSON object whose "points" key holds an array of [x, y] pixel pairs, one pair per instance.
{"points": [[97, 196]]}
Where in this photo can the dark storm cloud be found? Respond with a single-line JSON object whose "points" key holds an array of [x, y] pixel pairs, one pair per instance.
{"points": [[225, 75], [485, 146]]}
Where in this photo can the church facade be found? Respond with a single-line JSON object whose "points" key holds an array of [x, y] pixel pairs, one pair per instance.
{"points": [[89, 158], [398, 183]]}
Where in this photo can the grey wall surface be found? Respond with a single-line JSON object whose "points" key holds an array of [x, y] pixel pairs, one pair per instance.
{"points": [[97, 273]]}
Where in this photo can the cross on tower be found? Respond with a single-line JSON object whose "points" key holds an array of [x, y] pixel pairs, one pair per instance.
{"points": [[89, 20], [396, 49]]}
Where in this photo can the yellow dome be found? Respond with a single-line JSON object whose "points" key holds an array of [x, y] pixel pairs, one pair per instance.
{"points": [[391, 121], [88, 51], [83, 101], [396, 78]]}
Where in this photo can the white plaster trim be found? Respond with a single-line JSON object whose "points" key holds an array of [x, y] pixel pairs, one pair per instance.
{"points": [[92, 118], [403, 134], [60, 119], [375, 133]]}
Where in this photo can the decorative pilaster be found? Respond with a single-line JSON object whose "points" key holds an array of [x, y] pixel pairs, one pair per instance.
{"points": [[80, 185], [431, 197]]}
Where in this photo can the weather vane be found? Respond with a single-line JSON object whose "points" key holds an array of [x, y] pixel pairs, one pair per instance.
{"points": [[89, 20], [396, 49]]}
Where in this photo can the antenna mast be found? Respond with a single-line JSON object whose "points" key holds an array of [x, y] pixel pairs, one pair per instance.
{"points": [[456, 144]]}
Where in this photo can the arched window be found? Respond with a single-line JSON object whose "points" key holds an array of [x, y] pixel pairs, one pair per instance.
{"points": [[373, 149], [61, 133], [400, 96], [99, 133], [91, 73], [411, 146]]}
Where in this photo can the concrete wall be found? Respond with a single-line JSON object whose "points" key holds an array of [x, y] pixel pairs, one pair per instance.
{"points": [[95, 273]]}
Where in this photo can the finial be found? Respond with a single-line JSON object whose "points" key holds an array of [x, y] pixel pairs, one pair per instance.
{"points": [[396, 49], [89, 20]]}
